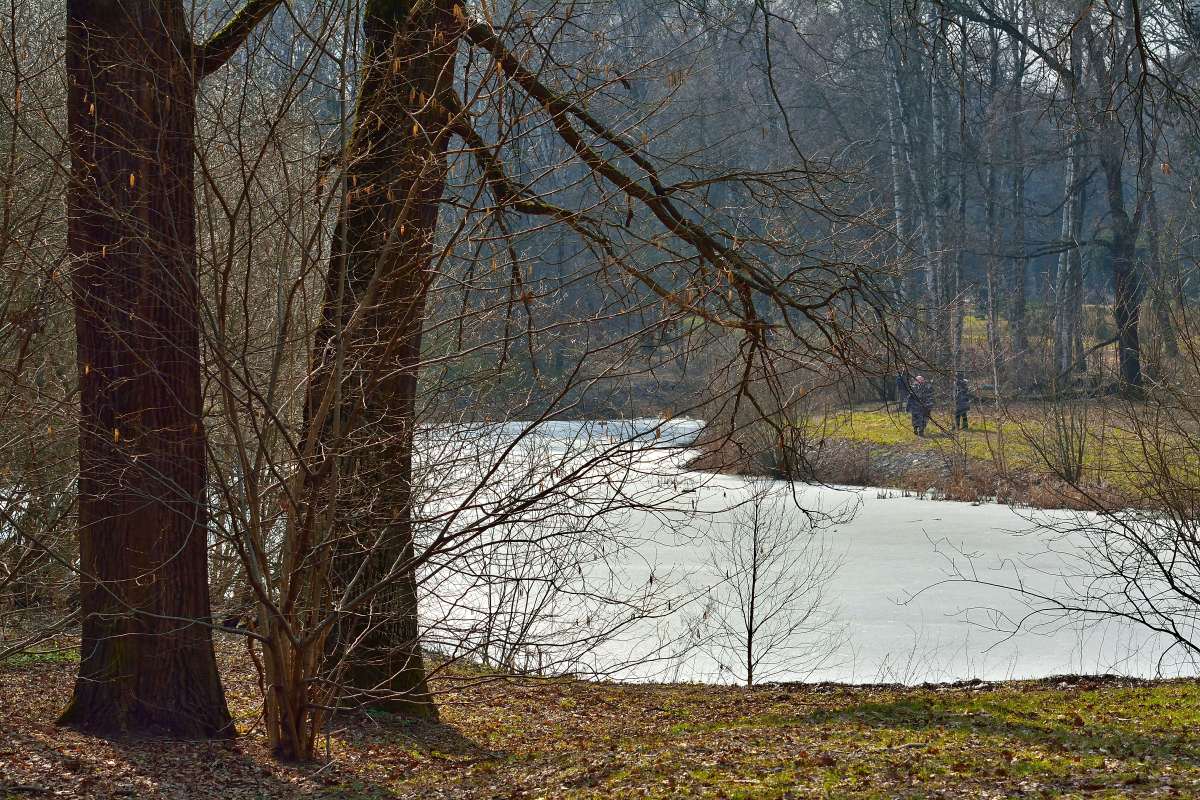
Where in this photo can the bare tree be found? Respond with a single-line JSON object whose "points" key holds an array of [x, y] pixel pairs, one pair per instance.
{"points": [[770, 612]]}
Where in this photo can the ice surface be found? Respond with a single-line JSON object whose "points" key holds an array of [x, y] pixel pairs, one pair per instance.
{"points": [[919, 595]]}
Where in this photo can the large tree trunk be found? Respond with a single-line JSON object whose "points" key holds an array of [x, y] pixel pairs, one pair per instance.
{"points": [[379, 270], [1110, 143], [146, 656]]}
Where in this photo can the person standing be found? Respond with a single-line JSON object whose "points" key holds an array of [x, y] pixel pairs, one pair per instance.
{"points": [[920, 404], [962, 401]]}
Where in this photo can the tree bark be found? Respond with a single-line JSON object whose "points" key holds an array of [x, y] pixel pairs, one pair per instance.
{"points": [[966, 147], [1128, 287], [1161, 283], [1069, 280], [380, 270], [1128, 292], [146, 655], [913, 161], [899, 204], [990, 214], [938, 276], [1110, 142], [902, 209]]}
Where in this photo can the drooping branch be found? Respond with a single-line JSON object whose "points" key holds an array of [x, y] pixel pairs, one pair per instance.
{"points": [[213, 54], [725, 260], [508, 194]]}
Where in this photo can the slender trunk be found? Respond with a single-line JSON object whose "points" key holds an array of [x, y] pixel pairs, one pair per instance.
{"points": [[960, 222], [1078, 268], [913, 166], [939, 266], [899, 207], [990, 214], [1067, 280], [1020, 261], [1068, 309], [995, 344], [146, 655], [902, 210], [1128, 287], [752, 609], [1161, 285], [899, 204]]}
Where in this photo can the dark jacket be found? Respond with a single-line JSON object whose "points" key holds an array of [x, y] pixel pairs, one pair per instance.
{"points": [[920, 400], [962, 396]]}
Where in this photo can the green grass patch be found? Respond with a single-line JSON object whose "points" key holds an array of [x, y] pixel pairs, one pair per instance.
{"points": [[31, 658], [1115, 742], [1024, 438]]}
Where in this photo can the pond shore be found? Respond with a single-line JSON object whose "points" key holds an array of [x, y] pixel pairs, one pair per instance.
{"points": [[877, 449]]}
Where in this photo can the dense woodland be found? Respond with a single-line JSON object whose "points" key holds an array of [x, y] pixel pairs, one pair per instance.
{"points": [[288, 289]]}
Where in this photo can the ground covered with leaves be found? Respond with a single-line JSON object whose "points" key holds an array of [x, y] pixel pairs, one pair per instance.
{"points": [[1062, 738], [552, 739]]}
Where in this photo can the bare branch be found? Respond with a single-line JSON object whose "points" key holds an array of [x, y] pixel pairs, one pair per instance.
{"points": [[213, 54]]}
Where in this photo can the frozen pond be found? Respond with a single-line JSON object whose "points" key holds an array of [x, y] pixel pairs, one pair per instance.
{"points": [[910, 593], [915, 591]]}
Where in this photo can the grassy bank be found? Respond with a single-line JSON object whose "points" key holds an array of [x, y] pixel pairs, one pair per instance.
{"points": [[1024, 437], [1033, 454], [1056, 738]]}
